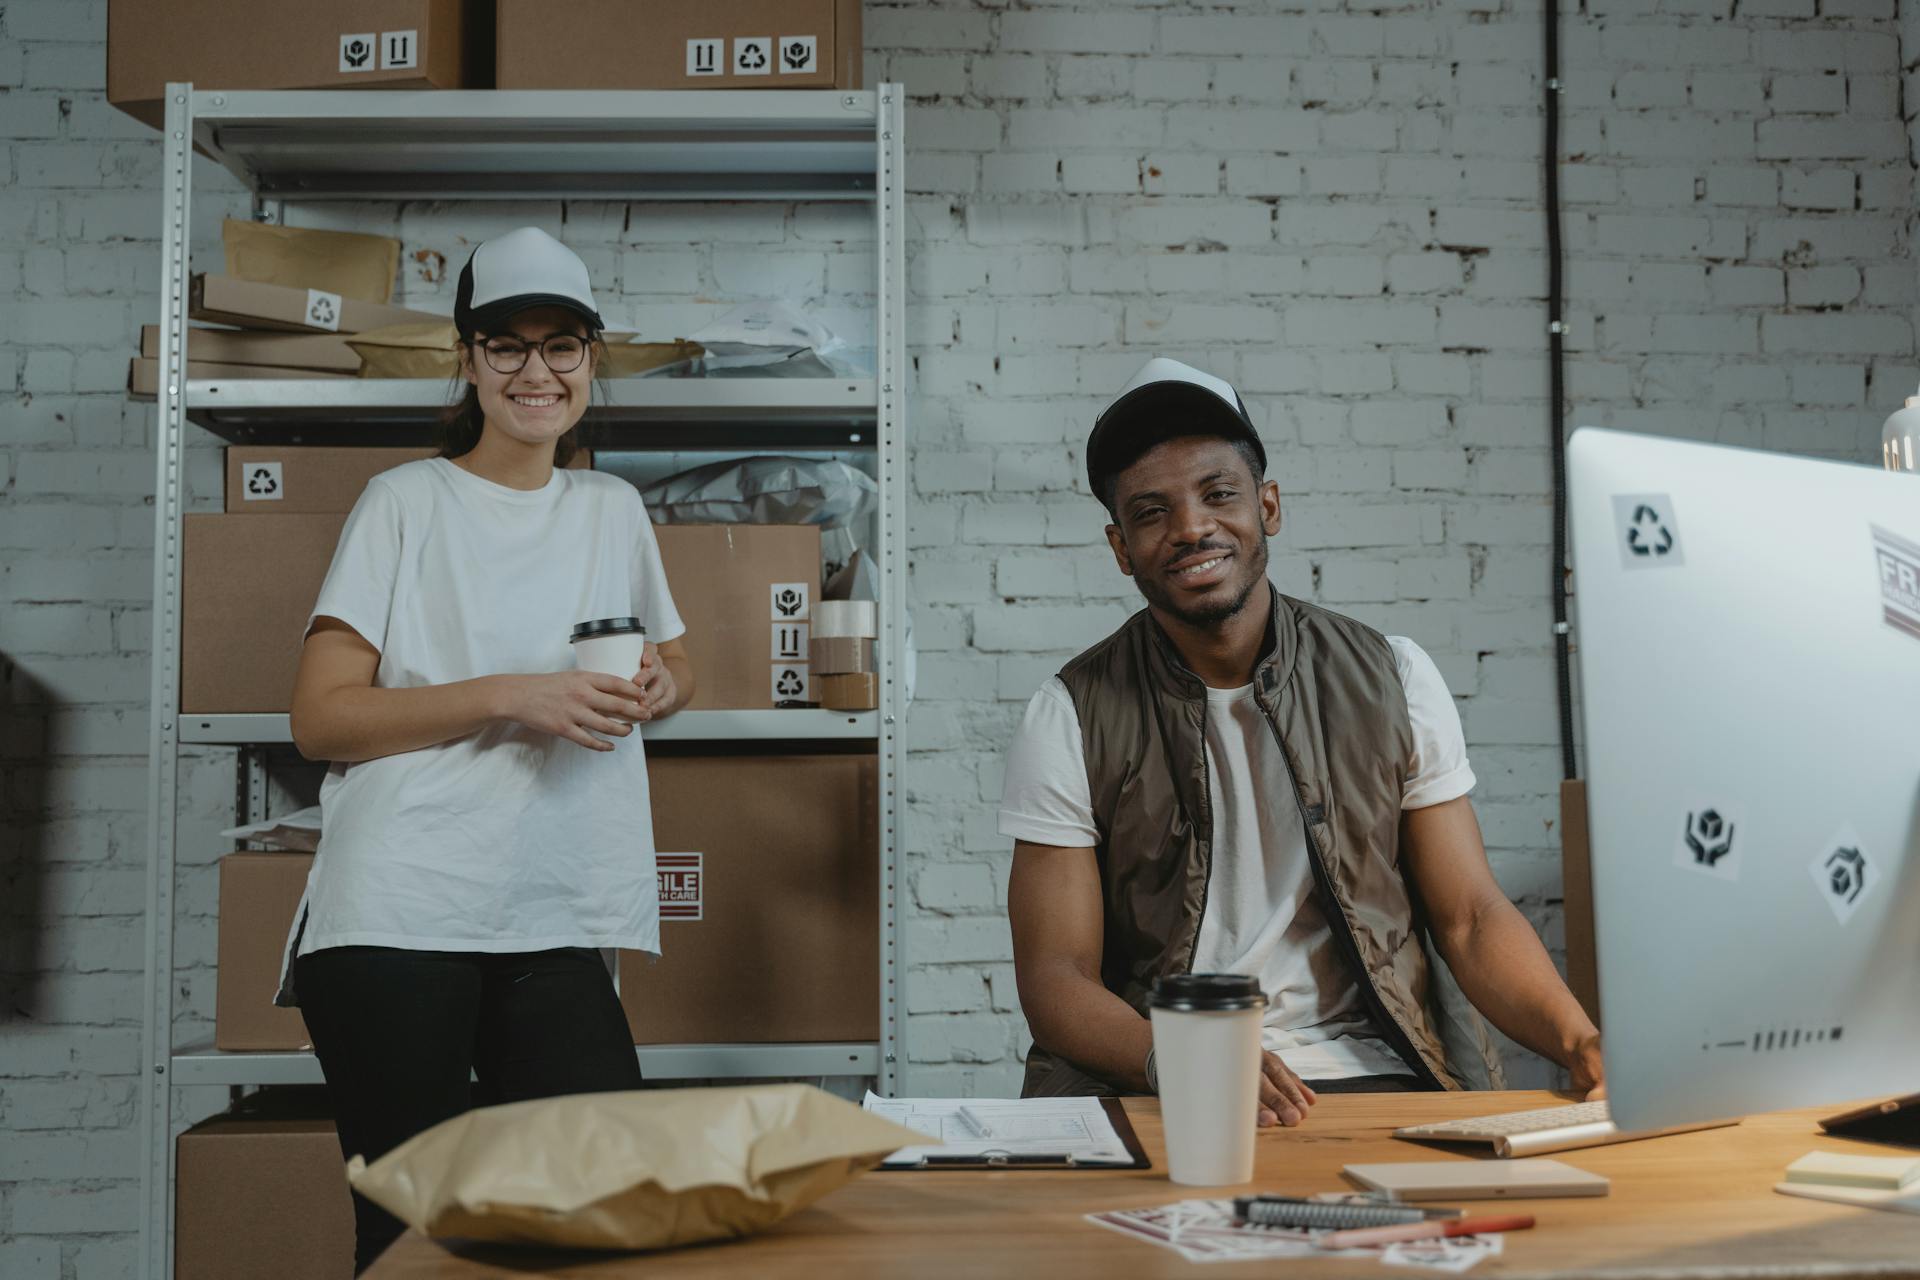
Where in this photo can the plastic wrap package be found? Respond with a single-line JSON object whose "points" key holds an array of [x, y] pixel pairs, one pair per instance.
{"points": [[764, 489], [648, 1169], [299, 830], [772, 340]]}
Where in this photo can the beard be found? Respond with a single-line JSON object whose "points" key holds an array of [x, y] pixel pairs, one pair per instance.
{"points": [[1213, 612]]}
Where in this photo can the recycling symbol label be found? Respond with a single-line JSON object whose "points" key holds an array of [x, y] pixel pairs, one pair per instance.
{"points": [[753, 56], [791, 683], [1649, 534], [1843, 874], [323, 310], [263, 483], [1709, 841]]}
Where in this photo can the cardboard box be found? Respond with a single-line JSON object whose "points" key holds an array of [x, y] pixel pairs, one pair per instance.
{"points": [[282, 480], [249, 304], [143, 375], [305, 480], [259, 894], [327, 44], [262, 1191], [770, 933], [679, 44], [248, 584], [321, 352], [745, 592], [349, 263]]}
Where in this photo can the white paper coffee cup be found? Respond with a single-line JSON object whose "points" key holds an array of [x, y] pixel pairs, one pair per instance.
{"points": [[610, 645], [1206, 1048]]}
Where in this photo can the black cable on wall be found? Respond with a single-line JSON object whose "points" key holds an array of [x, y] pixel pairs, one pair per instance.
{"points": [[1557, 374]]}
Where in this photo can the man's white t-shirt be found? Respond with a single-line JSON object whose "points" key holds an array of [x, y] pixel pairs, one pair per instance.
{"points": [[507, 839], [1263, 914]]}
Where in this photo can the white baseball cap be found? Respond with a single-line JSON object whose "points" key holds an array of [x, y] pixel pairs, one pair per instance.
{"points": [[1164, 400], [524, 268]]}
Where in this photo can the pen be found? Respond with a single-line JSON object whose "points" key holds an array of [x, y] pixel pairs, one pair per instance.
{"points": [[1423, 1231]]}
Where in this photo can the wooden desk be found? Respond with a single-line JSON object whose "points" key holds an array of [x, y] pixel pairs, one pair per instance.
{"points": [[1693, 1205]]}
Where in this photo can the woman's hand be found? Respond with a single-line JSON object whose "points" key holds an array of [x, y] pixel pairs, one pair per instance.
{"points": [[575, 705], [656, 684]]}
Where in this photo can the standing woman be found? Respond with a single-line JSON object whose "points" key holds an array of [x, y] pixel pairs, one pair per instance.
{"points": [[486, 821]]}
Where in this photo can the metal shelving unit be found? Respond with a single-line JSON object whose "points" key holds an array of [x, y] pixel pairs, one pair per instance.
{"points": [[382, 145]]}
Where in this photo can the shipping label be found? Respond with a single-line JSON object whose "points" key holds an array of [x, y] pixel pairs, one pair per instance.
{"points": [[682, 885]]}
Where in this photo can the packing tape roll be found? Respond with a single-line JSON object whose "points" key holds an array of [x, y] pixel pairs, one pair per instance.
{"points": [[848, 692], [840, 655], [833, 619]]}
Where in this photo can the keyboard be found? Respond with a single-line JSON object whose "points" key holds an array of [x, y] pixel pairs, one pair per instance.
{"points": [[1532, 1133]]}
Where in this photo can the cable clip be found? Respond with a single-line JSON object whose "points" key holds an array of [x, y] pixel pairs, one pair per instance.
{"points": [[1556, 326], [1562, 628]]}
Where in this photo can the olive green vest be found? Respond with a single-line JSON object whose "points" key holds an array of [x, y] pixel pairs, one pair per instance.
{"points": [[1329, 687]]}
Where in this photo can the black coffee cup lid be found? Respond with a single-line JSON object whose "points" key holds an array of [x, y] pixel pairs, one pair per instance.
{"points": [[1207, 992], [606, 627]]}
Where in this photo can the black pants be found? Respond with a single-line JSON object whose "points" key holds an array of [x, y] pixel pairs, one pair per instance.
{"points": [[1370, 1084], [399, 1033]]}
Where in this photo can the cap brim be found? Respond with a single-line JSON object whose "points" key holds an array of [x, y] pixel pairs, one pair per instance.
{"points": [[494, 314], [1164, 408]]}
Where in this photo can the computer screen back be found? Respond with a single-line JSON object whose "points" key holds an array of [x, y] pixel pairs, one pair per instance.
{"points": [[1748, 649]]}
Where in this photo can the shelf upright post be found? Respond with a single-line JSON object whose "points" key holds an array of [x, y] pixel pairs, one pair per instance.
{"points": [[163, 743], [890, 344]]}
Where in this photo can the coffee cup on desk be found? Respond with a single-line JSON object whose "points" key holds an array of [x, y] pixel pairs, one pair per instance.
{"points": [[1206, 1048], [610, 645]]}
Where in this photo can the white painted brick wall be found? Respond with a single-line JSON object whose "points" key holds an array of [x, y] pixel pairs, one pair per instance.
{"points": [[1333, 206]]}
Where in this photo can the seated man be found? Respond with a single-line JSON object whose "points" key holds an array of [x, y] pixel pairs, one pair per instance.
{"points": [[1240, 782]]}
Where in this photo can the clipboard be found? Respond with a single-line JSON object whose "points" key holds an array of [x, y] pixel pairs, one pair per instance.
{"points": [[1116, 1115]]}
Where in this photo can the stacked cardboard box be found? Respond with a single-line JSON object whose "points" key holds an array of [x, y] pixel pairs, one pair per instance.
{"points": [[746, 593], [680, 44]]}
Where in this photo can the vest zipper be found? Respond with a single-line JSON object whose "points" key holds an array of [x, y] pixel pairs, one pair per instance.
{"points": [[1337, 922]]}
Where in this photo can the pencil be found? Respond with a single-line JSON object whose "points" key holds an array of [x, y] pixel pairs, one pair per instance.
{"points": [[1362, 1236]]}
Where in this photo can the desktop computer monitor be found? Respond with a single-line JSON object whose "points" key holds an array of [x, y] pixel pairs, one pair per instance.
{"points": [[1747, 638]]}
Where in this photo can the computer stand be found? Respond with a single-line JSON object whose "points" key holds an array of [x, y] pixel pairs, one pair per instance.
{"points": [[1895, 1121]]}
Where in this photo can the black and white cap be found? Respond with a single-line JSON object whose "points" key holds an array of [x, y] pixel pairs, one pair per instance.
{"points": [[1165, 400], [524, 268]]}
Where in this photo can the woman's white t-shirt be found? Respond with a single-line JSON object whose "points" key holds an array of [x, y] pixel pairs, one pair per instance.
{"points": [[507, 839], [1263, 914]]}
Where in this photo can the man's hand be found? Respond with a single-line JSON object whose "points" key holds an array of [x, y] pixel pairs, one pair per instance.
{"points": [[1588, 1071], [656, 684], [1284, 1096]]}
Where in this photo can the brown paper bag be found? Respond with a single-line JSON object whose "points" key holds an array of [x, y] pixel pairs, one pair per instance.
{"points": [[432, 351], [343, 262], [643, 1170]]}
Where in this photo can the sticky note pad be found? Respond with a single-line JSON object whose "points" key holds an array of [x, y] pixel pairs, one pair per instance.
{"points": [[1829, 1168]]}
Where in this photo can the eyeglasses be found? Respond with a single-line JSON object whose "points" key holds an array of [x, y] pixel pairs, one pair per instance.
{"points": [[560, 352]]}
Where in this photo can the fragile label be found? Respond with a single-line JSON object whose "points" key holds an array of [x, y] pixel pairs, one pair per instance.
{"points": [[1898, 560], [703, 56], [753, 56], [263, 483], [1843, 873], [789, 642], [323, 310], [791, 683], [399, 50], [681, 885], [356, 51], [799, 55], [789, 601], [1709, 842]]}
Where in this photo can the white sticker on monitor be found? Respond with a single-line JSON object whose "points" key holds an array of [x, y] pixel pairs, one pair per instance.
{"points": [[789, 642], [1897, 561], [704, 56], [682, 881], [1845, 875], [789, 601], [1710, 841], [357, 52], [753, 55], [263, 483], [799, 55], [323, 310], [791, 683], [399, 50], [1649, 532]]}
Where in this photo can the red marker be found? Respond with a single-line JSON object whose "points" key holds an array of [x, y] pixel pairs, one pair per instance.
{"points": [[1423, 1231]]}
